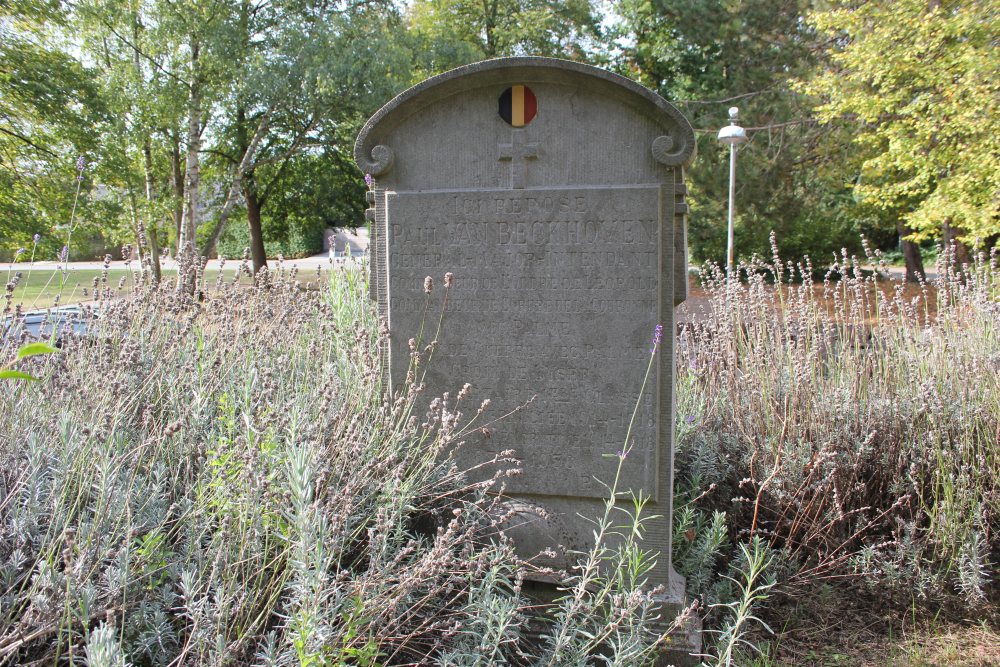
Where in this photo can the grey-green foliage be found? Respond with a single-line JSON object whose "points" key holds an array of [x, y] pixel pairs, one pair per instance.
{"points": [[144, 481], [850, 424], [222, 481], [699, 541], [975, 568], [608, 615], [753, 579], [496, 612], [104, 649]]}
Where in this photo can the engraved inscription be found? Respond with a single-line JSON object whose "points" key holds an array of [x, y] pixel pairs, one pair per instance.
{"points": [[555, 298]]}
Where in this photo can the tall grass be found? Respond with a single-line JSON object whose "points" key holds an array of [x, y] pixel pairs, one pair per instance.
{"points": [[852, 424]]}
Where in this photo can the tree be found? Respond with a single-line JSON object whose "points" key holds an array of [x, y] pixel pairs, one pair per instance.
{"points": [[48, 107], [312, 191], [140, 92], [449, 33], [299, 70], [705, 56], [918, 84]]}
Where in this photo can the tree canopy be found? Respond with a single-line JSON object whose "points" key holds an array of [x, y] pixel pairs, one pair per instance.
{"points": [[449, 33], [919, 84], [49, 104], [708, 56], [232, 121]]}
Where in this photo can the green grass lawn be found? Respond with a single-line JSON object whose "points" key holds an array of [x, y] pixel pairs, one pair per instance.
{"points": [[39, 288]]}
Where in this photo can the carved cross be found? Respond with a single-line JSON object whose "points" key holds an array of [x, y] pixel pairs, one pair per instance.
{"points": [[518, 151]]}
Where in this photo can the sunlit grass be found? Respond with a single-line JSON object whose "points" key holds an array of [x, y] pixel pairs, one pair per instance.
{"points": [[45, 287]]}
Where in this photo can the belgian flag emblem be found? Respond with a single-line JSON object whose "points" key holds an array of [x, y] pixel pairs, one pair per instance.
{"points": [[518, 106]]}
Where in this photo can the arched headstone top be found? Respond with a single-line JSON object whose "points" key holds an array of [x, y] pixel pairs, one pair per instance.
{"points": [[572, 121]]}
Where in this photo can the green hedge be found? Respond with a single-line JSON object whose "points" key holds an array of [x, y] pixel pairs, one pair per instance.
{"points": [[291, 238]]}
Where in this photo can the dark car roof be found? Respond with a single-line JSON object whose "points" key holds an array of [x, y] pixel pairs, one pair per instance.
{"points": [[40, 324]]}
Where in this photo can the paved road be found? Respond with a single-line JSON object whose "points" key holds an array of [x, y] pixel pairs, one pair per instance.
{"points": [[344, 241], [899, 272]]}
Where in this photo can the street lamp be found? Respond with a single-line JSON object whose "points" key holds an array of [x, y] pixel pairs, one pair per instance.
{"points": [[734, 135]]}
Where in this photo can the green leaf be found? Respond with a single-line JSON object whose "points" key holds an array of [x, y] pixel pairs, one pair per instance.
{"points": [[33, 349], [8, 374]]}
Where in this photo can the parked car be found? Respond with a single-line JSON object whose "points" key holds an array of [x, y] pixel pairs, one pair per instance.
{"points": [[40, 324]]}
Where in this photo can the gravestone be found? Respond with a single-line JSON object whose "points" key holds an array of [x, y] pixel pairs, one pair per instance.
{"points": [[554, 194]]}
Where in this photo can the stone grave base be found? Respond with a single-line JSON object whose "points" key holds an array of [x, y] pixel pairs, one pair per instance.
{"points": [[685, 642]]}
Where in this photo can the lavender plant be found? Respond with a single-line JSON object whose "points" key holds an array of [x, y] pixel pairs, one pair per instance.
{"points": [[853, 425], [219, 481], [213, 477], [753, 580]]}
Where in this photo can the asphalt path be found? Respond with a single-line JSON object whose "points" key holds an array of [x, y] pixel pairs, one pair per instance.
{"points": [[344, 242]]}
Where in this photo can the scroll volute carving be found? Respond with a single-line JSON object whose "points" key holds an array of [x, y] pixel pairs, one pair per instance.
{"points": [[377, 162], [676, 148]]}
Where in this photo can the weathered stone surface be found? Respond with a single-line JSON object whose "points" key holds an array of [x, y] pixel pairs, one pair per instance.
{"points": [[557, 305], [565, 232]]}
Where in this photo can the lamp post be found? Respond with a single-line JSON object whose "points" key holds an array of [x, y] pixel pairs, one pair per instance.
{"points": [[734, 135]]}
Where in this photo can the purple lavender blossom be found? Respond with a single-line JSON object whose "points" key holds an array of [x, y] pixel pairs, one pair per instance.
{"points": [[657, 337], [20, 251], [64, 253], [689, 419], [369, 180], [36, 238], [81, 164]]}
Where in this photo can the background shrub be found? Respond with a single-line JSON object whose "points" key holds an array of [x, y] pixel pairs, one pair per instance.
{"points": [[291, 237]]}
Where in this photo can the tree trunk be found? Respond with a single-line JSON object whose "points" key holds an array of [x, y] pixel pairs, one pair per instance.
{"points": [[257, 252], [192, 171], [911, 254], [154, 243], [177, 182], [187, 242], [961, 256], [137, 227], [241, 169]]}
